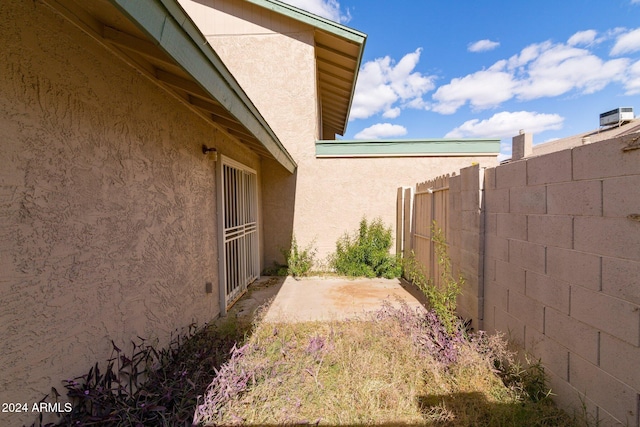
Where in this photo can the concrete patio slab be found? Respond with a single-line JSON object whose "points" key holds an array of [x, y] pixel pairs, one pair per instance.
{"points": [[325, 299]]}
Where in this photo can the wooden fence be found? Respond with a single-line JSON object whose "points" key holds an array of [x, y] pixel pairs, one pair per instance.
{"points": [[417, 210]]}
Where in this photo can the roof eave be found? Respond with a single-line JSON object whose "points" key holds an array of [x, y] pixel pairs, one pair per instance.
{"points": [[167, 25], [322, 24]]}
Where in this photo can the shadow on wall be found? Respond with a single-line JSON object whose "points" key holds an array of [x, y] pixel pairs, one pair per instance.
{"points": [[278, 203]]}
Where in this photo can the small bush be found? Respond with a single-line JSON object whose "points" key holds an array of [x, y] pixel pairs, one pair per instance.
{"points": [[299, 261], [366, 252]]}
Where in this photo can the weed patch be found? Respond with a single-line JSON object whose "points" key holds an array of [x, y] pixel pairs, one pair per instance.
{"points": [[300, 261], [442, 299], [395, 366]]}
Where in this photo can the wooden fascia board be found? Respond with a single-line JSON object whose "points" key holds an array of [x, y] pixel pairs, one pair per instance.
{"points": [[167, 25]]}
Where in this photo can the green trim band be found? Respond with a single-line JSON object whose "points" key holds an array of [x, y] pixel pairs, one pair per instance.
{"points": [[408, 148], [316, 21]]}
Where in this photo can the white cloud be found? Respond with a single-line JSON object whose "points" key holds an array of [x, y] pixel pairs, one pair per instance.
{"points": [[482, 46], [539, 70], [507, 124], [632, 84], [329, 9], [483, 89], [382, 83], [391, 113], [381, 130], [584, 38], [561, 68], [628, 42]]}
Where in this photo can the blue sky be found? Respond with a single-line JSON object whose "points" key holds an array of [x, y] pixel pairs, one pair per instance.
{"points": [[487, 68]]}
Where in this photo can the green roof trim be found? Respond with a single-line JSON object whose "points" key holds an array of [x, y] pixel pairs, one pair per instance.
{"points": [[313, 20], [408, 148], [172, 29]]}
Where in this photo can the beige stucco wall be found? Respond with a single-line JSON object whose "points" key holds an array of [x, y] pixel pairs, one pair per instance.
{"points": [[273, 59], [342, 190], [107, 206]]}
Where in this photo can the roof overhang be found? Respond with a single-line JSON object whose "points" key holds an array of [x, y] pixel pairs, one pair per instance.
{"points": [[409, 148], [339, 52], [159, 39]]}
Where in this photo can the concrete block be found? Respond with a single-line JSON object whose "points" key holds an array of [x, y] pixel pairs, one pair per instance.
{"points": [[614, 316], [621, 196], [605, 159], [615, 397], [513, 174], [470, 177], [620, 359], [550, 230], [470, 263], [490, 178], [471, 220], [489, 269], [575, 267], [470, 240], [621, 279], [547, 290], [530, 256], [521, 146], [495, 295], [468, 306], [528, 310], [576, 336], [575, 198], [490, 223], [510, 276], [554, 356], [512, 327], [553, 167], [470, 200], [497, 200], [614, 237], [496, 247], [511, 226], [531, 199], [572, 401]]}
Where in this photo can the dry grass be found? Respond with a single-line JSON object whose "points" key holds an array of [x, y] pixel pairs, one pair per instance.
{"points": [[366, 372]]}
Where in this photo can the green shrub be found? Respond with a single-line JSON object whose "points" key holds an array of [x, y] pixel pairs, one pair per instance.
{"points": [[366, 252], [441, 299], [299, 261]]}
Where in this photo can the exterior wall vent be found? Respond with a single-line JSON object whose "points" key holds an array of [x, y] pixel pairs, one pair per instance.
{"points": [[616, 116]]}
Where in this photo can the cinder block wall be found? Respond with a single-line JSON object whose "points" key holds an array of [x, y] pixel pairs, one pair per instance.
{"points": [[465, 235], [562, 271]]}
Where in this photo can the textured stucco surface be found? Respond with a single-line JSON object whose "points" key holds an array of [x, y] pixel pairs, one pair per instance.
{"points": [[107, 205]]}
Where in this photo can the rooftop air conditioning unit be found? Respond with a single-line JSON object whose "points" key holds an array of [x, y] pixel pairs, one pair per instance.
{"points": [[616, 116]]}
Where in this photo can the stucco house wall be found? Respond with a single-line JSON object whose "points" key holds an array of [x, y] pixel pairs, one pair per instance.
{"points": [[272, 57], [107, 205]]}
